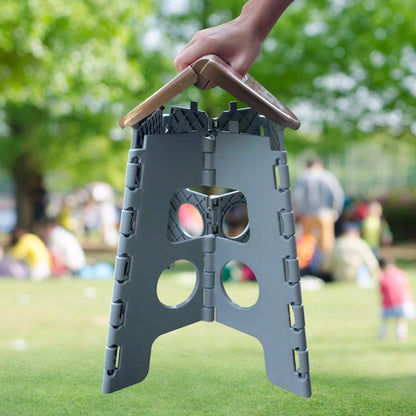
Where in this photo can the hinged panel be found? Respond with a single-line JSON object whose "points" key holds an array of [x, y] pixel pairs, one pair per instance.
{"points": [[230, 152]]}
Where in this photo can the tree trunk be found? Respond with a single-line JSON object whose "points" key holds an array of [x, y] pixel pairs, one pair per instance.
{"points": [[30, 195]]}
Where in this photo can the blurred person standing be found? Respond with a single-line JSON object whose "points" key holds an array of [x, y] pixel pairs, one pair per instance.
{"points": [[352, 259], [90, 218], [103, 195], [397, 300], [318, 202], [374, 228]]}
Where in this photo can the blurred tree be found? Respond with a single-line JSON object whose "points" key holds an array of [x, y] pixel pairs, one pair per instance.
{"points": [[68, 71], [346, 68]]}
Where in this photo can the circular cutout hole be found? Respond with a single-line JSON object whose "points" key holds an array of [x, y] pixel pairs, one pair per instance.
{"points": [[177, 283], [190, 220], [235, 222], [240, 284]]}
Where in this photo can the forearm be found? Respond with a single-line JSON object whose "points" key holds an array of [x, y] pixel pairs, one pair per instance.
{"points": [[262, 15]]}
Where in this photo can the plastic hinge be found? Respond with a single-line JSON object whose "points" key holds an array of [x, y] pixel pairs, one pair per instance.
{"points": [[208, 279], [117, 314], [291, 267], [122, 268], [208, 145], [287, 223], [303, 368], [110, 358], [127, 222], [207, 314], [298, 341], [133, 175], [209, 161], [209, 262], [284, 176], [208, 245], [299, 317], [209, 298], [208, 177]]}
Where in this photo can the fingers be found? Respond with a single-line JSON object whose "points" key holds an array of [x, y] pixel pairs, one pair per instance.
{"points": [[184, 59], [230, 41], [194, 50]]}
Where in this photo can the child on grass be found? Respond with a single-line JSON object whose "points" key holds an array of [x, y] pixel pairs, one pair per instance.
{"points": [[397, 301]]}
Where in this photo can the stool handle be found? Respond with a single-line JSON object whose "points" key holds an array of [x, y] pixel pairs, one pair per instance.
{"points": [[208, 72]]}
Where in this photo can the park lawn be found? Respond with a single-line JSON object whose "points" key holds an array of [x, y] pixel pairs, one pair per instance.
{"points": [[53, 335]]}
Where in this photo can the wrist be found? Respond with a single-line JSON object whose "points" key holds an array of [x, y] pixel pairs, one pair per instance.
{"points": [[260, 16]]}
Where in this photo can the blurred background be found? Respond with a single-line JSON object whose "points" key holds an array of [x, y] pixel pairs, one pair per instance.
{"points": [[69, 71]]}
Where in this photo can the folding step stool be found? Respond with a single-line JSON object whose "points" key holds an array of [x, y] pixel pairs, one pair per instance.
{"points": [[240, 150]]}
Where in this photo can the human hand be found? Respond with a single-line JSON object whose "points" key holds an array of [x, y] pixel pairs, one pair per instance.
{"points": [[238, 42], [233, 41]]}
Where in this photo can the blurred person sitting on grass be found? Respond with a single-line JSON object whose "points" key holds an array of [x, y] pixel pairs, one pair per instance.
{"points": [[352, 259], [66, 252], [309, 254], [29, 252], [397, 300]]}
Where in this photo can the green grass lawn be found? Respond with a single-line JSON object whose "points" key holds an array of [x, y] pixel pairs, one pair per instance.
{"points": [[53, 335]]}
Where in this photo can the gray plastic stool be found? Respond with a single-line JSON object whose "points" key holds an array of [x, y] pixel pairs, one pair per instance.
{"points": [[169, 154]]}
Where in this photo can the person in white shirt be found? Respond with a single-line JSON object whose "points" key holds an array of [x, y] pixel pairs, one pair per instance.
{"points": [[352, 259], [64, 246]]}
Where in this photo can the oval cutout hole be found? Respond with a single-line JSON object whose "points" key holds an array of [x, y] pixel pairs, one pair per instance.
{"points": [[177, 283], [235, 221], [190, 220], [240, 284]]}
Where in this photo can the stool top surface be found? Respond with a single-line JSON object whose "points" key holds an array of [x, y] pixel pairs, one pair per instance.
{"points": [[208, 72]]}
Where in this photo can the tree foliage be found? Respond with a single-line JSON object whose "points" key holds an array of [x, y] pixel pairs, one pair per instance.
{"points": [[68, 71], [346, 67]]}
